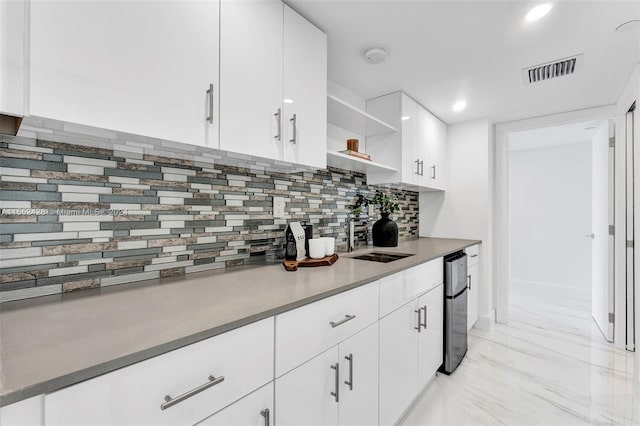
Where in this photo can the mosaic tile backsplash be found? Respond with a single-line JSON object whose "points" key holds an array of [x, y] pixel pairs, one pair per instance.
{"points": [[76, 217]]}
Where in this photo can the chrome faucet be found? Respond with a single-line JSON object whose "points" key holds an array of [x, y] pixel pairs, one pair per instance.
{"points": [[352, 234]]}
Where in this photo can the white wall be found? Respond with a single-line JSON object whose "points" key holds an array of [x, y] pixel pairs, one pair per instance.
{"points": [[464, 209], [550, 214]]}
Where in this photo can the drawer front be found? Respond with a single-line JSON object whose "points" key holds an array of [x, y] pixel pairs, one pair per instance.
{"points": [[255, 409], [398, 289], [473, 254], [134, 395], [303, 333]]}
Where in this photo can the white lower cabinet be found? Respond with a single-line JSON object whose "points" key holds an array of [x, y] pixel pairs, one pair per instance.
{"points": [[337, 387], [27, 412], [430, 343], [233, 364], [473, 281], [255, 409], [398, 362], [410, 352]]}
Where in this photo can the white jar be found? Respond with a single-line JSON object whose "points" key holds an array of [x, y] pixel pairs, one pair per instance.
{"points": [[329, 245], [316, 248]]}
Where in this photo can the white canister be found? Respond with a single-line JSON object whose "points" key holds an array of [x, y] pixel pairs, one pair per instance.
{"points": [[329, 245], [316, 248]]}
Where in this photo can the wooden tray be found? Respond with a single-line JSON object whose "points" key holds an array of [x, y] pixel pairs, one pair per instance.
{"points": [[292, 265]]}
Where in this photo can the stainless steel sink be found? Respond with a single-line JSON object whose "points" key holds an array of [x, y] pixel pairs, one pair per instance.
{"points": [[378, 256]]}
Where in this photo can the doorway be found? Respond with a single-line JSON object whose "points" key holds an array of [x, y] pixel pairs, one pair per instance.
{"points": [[559, 221]]}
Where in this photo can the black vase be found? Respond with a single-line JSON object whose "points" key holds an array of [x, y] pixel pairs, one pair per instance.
{"points": [[385, 232]]}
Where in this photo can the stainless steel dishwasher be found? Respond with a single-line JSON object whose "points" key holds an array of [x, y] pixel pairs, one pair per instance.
{"points": [[455, 310]]}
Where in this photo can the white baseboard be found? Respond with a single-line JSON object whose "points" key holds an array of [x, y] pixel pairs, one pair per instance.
{"points": [[486, 322]]}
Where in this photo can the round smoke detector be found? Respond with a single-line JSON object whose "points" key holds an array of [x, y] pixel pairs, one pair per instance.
{"points": [[376, 55]]}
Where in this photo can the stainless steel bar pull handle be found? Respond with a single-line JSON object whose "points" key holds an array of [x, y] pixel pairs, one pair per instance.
{"points": [[469, 282], [278, 116], [419, 327], [417, 167], [350, 381], [474, 255], [421, 167], [266, 414], [424, 324], [210, 94], [336, 394], [294, 139], [342, 321], [433, 175], [170, 402]]}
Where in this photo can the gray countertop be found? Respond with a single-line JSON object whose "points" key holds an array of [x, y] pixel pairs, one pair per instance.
{"points": [[51, 342]]}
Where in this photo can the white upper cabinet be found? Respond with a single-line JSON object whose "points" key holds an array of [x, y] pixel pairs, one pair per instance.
{"points": [[305, 91], [142, 67], [417, 151], [432, 134], [251, 35], [273, 73]]}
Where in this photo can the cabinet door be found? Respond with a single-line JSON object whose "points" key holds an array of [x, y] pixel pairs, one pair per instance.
{"points": [[425, 130], [430, 343], [398, 362], [141, 67], [27, 412], [251, 42], [359, 378], [472, 285], [255, 409], [437, 154], [241, 360], [304, 396], [305, 91], [410, 154]]}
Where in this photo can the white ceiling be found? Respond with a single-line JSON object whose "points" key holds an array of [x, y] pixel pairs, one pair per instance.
{"points": [[440, 51], [565, 134]]}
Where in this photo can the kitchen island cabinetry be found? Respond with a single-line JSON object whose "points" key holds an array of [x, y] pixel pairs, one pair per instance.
{"points": [[273, 75], [127, 66]]}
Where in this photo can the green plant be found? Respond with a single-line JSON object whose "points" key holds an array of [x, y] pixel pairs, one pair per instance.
{"points": [[385, 203], [359, 203]]}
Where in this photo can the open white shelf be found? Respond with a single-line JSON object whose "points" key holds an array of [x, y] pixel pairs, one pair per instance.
{"points": [[348, 117], [349, 162]]}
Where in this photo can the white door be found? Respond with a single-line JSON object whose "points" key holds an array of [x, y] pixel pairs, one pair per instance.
{"points": [[359, 378], [305, 91], [307, 394], [141, 67], [631, 273], [398, 362], [602, 287], [251, 37], [255, 409], [430, 338]]}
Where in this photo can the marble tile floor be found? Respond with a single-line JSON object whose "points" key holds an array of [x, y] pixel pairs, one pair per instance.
{"points": [[549, 366]]}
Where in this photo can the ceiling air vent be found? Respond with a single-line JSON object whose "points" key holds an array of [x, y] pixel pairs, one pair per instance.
{"points": [[550, 70]]}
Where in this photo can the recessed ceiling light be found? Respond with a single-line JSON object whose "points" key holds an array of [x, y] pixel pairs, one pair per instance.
{"points": [[628, 26], [538, 12], [287, 101], [405, 117], [459, 106]]}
